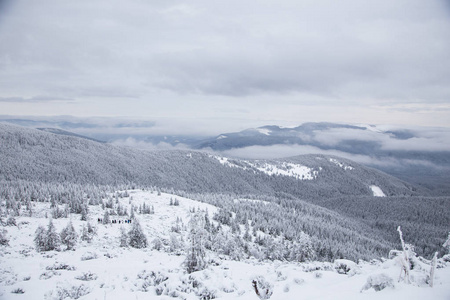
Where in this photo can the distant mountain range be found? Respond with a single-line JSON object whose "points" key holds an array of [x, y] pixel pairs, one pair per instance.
{"points": [[419, 156], [30, 154], [403, 153]]}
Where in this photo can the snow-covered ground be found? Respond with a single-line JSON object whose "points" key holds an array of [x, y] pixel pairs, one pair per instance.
{"points": [[103, 270], [377, 192], [297, 171]]}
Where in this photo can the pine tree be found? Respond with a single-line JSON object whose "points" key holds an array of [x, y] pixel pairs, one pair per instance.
{"points": [[196, 252], [69, 236], [106, 217], [39, 238], [84, 212], [123, 237], [136, 236], [46, 240]]}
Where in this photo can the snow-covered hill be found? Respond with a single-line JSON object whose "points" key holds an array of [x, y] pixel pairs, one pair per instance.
{"points": [[101, 269], [30, 154]]}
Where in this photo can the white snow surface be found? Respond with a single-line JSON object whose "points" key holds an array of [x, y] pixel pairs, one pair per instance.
{"points": [[264, 131], [377, 192], [340, 164], [119, 272], [297, 171], [287, 169]]}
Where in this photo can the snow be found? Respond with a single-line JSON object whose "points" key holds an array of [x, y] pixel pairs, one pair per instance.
{"points": [[124, 273], [340, 164], [297, 171], [264, 131], [377, 192], [221, 137], [287, 169]]}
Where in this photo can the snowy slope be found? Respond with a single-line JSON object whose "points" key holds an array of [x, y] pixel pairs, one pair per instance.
{"points": [[126, 273]]}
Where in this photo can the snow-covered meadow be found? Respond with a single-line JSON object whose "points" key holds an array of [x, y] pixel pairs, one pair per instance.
{"points": [[102, 269]]}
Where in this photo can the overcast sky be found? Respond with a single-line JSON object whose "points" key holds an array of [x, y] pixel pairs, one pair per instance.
{"points": [[218, 66]]}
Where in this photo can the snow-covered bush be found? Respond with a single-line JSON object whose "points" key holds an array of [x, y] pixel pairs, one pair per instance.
{"points": [[69, 236], [11, 221], [148, 279], [378, 282], [73, 292], [89, 255], [206, 294], [262, 287], [157, 244], [18, 291], [60, 266], [4, 241], [49, 274], [345, 266], [87, 276]]}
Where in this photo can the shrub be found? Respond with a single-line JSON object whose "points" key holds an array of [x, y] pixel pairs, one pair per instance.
{"points": [[378, 282], [262, 287], [89, 256], [73, 292], [88, 276], [18, 291], [61, 266], [4, 241]]}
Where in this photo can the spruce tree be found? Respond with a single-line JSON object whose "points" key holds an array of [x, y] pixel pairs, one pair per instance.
{"points": [[196, 252], [69, 236], [136, 237]]}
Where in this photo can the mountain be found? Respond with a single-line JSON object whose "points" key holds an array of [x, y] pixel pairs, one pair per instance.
{"points": [[68, 133], [348, 209], [414, 156], [29, 154]]}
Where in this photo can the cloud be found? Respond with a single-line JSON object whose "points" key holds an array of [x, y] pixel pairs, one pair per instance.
{"points": [[394, 51], [134, 143], [36, 99]]}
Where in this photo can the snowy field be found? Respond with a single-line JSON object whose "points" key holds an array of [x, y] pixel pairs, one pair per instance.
{"points": [[102, 269]]}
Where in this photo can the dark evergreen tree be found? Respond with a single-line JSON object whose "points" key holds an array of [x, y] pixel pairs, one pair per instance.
{"points": [[136, 236]]}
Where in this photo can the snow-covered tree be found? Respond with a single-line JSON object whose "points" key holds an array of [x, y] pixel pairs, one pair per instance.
{"points": [[46, 240], [196, 252], [40, 236], [136, 236], [123, 238], [174, 243], [302, 250], [106, 217], [404, 258], [447, 243], [69, 236]]}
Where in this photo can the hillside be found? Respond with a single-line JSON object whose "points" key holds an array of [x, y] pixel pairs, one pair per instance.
{"points": [[101, 266], [299, 193], [29, 154], [417, 157]]}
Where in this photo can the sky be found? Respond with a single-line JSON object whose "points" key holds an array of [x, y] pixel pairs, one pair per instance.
{"points": [[207, 67]]}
